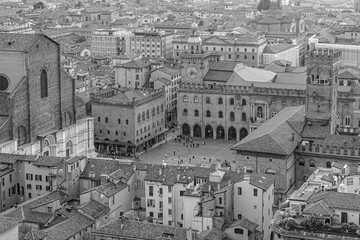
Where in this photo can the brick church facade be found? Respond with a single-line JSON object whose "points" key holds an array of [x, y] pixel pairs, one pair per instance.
{"points": [[39, 112]]}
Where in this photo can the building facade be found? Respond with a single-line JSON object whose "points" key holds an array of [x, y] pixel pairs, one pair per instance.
{"points": [[152, 43], [37, 100], [129, 121], [133, 74], [169, 79], [246, 48], [109, 43]]}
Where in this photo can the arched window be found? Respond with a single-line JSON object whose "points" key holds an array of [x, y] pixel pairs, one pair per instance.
{"points": [[232, 116], [328, 164], [301, 162], [196, 99], [196, 113], [185, 112], [347, 121], [243, 117], [259, 112], [207, 100], [243, 102], [4, 83], [232, 102], [220, 101], [69, 149], [153, 111], [208, 113], [138, 118], [43, 84], [270, 171], [312, 163], [147, 114], [162, 107], [157, 110], [221, 114], [185, 98], [143, 116], [22, 135]]}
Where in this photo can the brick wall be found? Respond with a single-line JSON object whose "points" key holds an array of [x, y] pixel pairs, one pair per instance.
{"points": [[44, 112]]}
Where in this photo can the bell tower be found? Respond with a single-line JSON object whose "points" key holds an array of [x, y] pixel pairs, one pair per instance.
{"points": [[321, 87], [194, 61]]}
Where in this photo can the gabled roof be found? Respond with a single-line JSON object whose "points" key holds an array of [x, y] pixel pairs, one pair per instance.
{"points": [[6, 223], [245, 223], [35, 235], [212, 234], [243, 74], [109, 189], [170, 175], [141, 230], [338, 200], [106, 166], [94, 209], [134, 64], [349, 73], [320, 207], [19, 42], [214, 40], [274, 136], [277, 48]]}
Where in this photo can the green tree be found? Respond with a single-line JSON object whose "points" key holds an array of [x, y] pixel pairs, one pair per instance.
{"points": [[81, 39], [39, 5], [263, 5]]}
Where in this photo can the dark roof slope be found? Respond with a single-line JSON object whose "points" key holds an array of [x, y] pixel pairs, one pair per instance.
{"points": [[274, 136], [142, 230], [18, 42], [350, 201]]}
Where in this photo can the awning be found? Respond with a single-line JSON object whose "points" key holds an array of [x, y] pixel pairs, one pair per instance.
{"points": [[115, 143]]}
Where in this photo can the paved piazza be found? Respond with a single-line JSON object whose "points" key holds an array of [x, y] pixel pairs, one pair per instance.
{"points": [[213, 149]]}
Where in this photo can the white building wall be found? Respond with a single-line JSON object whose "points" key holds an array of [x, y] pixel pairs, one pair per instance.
{"points": [[190, 202], [248, 205]]}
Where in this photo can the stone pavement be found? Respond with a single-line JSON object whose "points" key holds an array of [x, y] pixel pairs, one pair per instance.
{"points": [[213, 149]]}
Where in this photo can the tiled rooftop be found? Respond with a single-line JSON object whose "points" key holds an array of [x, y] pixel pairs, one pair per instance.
{"points": [[18, 42], [141, 230], [337, 200], [274, 136], [170, 175], [106, 166], [94, 209]]}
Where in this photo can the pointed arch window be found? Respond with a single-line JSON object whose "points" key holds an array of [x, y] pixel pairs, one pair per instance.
{"points": [[43, 84]]}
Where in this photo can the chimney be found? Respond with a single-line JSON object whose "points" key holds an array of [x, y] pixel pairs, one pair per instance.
{"points": [[247, 177], [293, 137], [178, 177], [218, 186], [103, 179], [160, 171], [229, 183]]}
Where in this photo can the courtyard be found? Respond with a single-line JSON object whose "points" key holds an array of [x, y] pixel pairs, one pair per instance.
{"points": [[199, 151]]}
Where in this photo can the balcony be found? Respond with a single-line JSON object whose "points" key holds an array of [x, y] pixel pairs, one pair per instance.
{"points": [[256, 122]]}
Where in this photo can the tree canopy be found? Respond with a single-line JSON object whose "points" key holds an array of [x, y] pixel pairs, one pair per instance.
{"points": [[39, 5], [263, 5]]}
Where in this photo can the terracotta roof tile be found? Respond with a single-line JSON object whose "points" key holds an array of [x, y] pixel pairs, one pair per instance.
{"points": [[141, 230], [274, 136]]}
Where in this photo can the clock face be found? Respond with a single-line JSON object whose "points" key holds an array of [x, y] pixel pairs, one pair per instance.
{"points": [[192, 72]]}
